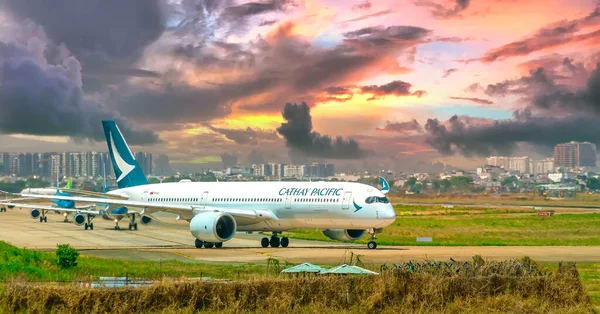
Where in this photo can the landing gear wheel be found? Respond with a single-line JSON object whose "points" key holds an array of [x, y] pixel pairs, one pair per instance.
{"points": [[91, 226], [117, 228], [41, 219], [372, 245], [85, 226], [45, 219], [135, 226], [130, 226], [285, 242], [274, 242], [208, 245], [198, 244], [219, 245], [264, 242]]}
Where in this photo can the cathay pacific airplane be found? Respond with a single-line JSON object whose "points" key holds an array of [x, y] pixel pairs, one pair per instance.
{"points": [[217, 210]]}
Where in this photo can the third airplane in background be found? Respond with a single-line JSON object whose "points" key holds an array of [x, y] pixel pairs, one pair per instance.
{"points": [[217, 210]]}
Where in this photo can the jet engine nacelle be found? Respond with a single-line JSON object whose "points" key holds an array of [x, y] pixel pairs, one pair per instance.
{"points": [[35, 213], [344, 234], [213, 227], [145, 219], [79, 219]]}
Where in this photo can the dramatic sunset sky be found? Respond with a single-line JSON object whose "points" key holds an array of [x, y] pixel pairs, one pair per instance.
{"points": [[387, 84]]}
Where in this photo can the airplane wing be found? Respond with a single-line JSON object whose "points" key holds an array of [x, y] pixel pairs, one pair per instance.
{"points": [[184, 211], [96, 194], [82, 209]]}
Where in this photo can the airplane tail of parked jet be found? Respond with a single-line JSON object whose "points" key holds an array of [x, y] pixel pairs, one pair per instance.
{"points": [[127, 170]]}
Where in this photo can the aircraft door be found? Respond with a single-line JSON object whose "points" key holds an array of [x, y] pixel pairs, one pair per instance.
{"points": [[204, 198], [145, 196], [288, 202], [346, 200]]}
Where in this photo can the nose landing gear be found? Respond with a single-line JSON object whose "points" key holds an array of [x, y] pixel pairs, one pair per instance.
{"points": [[373, 231]]}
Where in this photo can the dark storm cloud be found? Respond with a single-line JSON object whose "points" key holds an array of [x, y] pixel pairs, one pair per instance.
{"points": [[501, 137], [102, 34], [255, 157], [405, 127], [368, 16], [475, 100], [186, 103], [254, 8], [267, 22], [441, 11], [385, 37], [396, 88], [448, 72], [339, 90], [301, 138], [558, 34], [244, 136], [205, 18], [365, 5], [229, 159], [49, 101], [555, 113]]}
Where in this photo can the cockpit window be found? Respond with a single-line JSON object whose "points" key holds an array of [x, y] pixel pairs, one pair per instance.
{"points": [[376, 199]]}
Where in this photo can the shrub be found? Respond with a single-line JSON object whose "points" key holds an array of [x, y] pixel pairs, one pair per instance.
{"points": [[66, 256]]}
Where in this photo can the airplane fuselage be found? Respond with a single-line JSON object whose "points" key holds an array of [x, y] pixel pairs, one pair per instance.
{"points": [[325, 205]]}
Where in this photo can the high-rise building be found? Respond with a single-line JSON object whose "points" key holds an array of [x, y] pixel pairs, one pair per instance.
{"points": [[329, 170], [261, 170], [294, 171], [498, 161], [541, 166], [276, 169], [575, 154], [520, 164]]}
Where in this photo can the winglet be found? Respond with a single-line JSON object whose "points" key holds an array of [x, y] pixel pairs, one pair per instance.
{"points": [[385, 187]]}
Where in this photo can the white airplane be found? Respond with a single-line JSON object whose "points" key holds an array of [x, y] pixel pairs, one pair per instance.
{"points": [[217, 210]]}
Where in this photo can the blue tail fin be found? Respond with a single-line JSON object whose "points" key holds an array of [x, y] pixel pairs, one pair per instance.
{"points": [[127, 169]]}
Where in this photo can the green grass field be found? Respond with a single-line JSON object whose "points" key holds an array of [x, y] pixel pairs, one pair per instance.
{"points": [[521, 199], [472, 226], [23, 265], [33, 265], [590, 278]]}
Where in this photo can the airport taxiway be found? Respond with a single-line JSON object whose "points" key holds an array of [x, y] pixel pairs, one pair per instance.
{"points": [[172, 240]]}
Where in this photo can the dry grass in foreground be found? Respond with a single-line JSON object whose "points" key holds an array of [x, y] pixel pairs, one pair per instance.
{"points": [[476, 287]]}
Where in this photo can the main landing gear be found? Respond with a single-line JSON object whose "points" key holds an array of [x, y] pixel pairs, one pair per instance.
{"points": [[275, 241], [132, 223], [43, 217], [2, 209], [209, 245], [89, 224]]}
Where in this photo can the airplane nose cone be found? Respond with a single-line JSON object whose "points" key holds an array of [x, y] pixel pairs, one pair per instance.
{"points": [[388, 214]]}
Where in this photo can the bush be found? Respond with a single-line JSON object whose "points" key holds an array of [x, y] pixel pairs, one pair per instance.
{"points": [[66, 256]]}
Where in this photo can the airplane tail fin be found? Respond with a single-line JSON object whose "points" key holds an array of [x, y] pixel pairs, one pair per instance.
{"points": [[127, 170], [69, 184]]}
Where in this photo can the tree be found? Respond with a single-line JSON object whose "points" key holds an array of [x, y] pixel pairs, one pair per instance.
{"points": [[461, 182], [410, 182], [508, 180], [593, 184], [66, 256], [153, 181], [208, 177]]}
